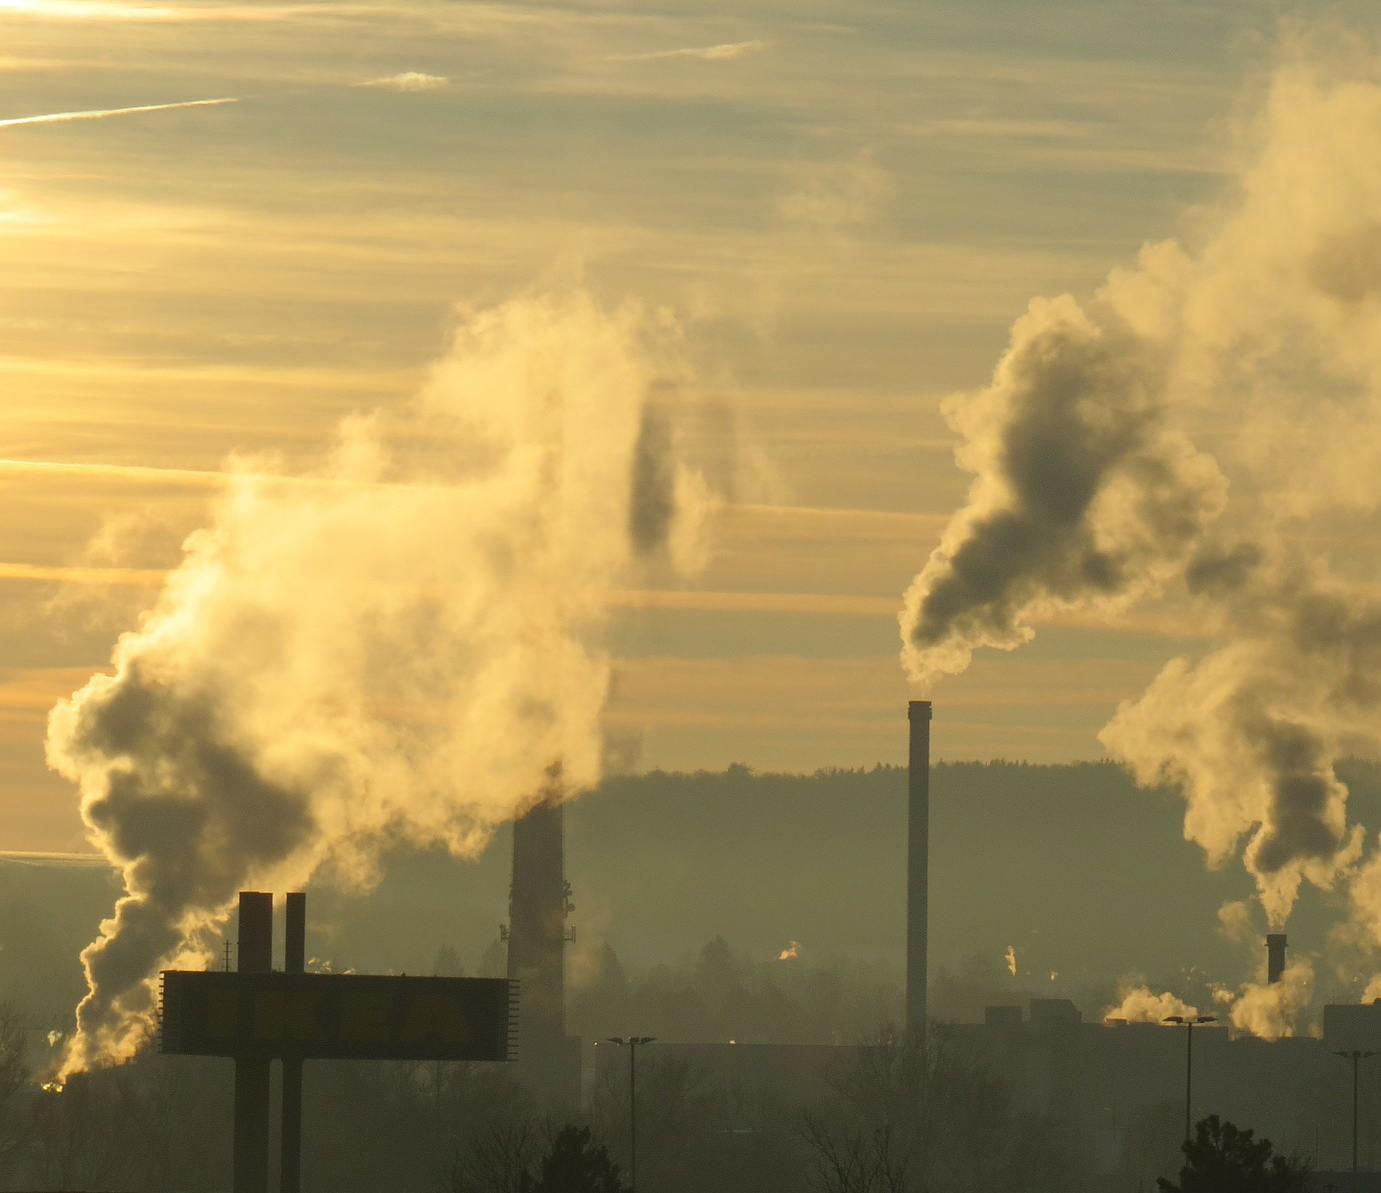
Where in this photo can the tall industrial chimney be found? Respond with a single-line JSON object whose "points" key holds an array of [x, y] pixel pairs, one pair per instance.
{"points": [[1275, 956], [538, 905], [917, 865]]}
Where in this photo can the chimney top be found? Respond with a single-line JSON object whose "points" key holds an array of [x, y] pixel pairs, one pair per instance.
{"points": [[918, 710], [1275, 957]]}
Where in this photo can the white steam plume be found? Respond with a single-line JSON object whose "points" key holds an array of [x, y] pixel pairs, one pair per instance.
{"points": [[1277, 318], [1272, 1009], [1251, 732], [1142, 1005], [1089, 493], [401, 651]]}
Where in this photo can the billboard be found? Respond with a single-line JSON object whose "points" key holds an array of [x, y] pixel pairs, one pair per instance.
{"points": [[338, 1016]]}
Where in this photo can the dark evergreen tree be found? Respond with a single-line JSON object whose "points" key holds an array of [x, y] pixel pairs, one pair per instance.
{"points": [[14, 1072], [575, 1163], [1222, 1158]]}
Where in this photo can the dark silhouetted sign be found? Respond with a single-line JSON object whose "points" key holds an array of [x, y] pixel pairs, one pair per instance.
{"points": [[338, 1016]]}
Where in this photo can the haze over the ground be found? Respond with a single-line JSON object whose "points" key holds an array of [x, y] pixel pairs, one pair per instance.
{"points": [[1090, 883]]}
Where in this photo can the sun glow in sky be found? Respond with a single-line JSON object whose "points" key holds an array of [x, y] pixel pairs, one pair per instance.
{"points": [[845, 203]]}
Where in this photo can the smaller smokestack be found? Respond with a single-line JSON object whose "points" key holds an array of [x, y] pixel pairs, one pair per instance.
{"points": [[1275, 957]]}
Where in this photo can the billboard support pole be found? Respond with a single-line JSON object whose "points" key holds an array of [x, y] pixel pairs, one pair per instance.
{"points": [[251, 1160], [256, 1016], [294, 961]]}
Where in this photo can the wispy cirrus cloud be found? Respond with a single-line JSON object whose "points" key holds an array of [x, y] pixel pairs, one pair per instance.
{"points": [[131, 10], [838, 194], [102, 113], [89, 10], [76, 574], [717, 53], [409, 80], [136, 472]]}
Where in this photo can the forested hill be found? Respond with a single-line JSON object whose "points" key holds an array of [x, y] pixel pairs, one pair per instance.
{"points": [[1085, 875]]}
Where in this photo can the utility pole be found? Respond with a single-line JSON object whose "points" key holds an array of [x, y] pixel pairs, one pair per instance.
{"points": [[1188, 1022], [1356, 1056], [632, 1042]]}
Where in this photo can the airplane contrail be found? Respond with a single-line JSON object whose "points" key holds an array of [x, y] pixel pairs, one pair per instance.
{"points": [[101, 113]]}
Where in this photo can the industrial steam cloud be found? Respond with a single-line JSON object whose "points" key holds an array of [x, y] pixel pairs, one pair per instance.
{"points": [[400, 645], [1202, 435]]}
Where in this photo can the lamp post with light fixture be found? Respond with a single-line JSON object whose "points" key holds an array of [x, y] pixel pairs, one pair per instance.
{"points": [[632, 1042], [1188, 1021], [1356, 1056]]}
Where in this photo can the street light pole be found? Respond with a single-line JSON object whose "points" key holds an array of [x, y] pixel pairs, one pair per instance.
{"points": [[1189, 1021], [1356, 1056], [632, 1042]]}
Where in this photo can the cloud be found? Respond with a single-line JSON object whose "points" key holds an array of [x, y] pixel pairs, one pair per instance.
{"points": [[102, 113], [88, 10], [410, 80], [717, 53], [118, 10], [57, 574], [133, 472], [835, 195]]}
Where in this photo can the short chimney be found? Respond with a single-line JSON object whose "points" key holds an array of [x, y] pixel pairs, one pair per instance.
{"points": [[1275, 957]]}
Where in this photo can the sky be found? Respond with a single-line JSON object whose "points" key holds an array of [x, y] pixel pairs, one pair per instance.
{"points": [[843, 207]]}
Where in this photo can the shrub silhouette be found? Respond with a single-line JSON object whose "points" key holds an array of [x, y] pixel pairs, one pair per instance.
{"points": [[1223, 1158]]}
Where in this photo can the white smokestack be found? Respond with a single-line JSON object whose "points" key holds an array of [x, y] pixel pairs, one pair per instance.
{"points": [[398, 646]]}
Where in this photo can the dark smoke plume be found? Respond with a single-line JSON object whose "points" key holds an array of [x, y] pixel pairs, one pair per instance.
{"points": [[1083, 492]]}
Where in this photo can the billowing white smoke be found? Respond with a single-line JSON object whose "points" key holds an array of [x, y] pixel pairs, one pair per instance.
{"points": [[1265, 1009], [1089, 493], [399, 646], [1278, 319], [1142, 1005], [1272, 1009], [1252, 730]]}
